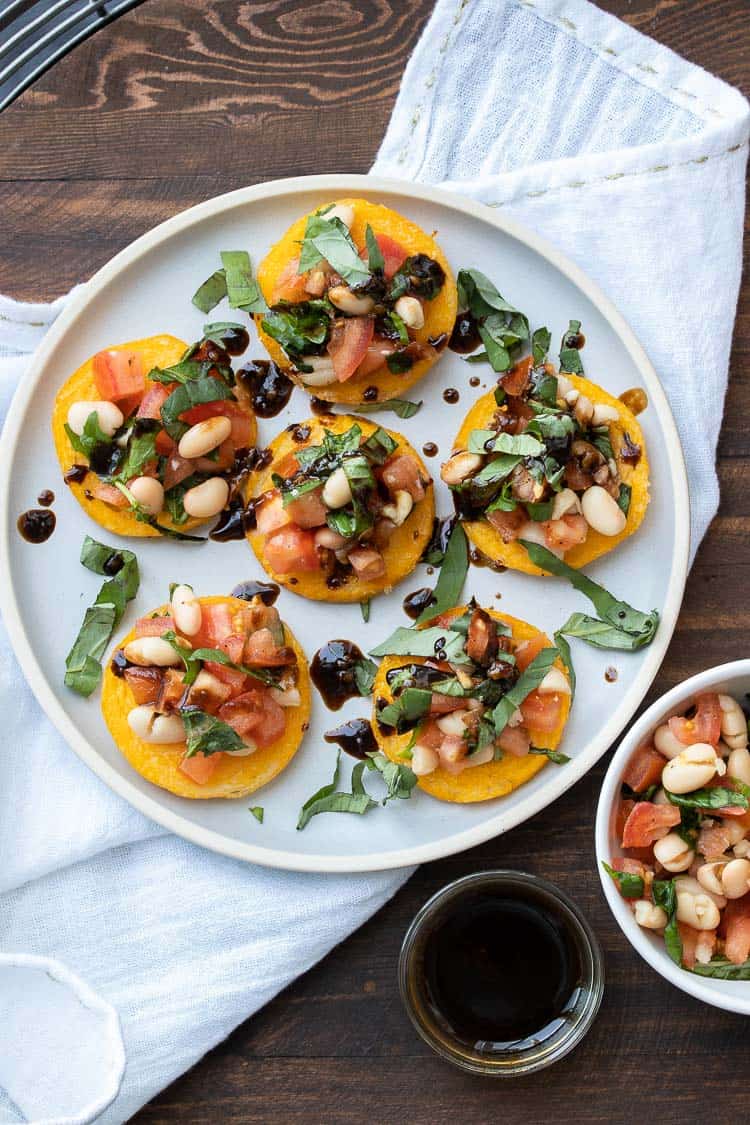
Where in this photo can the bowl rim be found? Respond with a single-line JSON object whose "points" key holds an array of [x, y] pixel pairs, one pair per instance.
{"points": [[732, 999]]}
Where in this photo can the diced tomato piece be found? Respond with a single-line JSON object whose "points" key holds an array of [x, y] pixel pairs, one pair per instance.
{"points": [[223, 460], [624, 810], [200, 768], [153, 400], [508, 524], [287, 466], [527, 651], [565, 533], [145, 683], [736, 927], [401, 473], [119, 376], [648, 822], [234, 679], [256, 715], [713, 841], [177, 469], [153, 626], [208, 696], [375, 357], [291, 548], [631, 866], [443, 704], [644, 769], [308, 510], [705, 726], [394, 255], [216, 624], [348, 344], [452, 750], [172, 690], [290, 285], [518, 378], [542, 711], [515, 741], [241, 421], [271, 514], [261, 651], [164, 444], [430, 734], [368, 563], [108, 494]]}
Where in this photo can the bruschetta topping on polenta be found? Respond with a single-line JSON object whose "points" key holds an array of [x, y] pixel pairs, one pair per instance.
{"points": [[472, 694], [203, 685], [153, 431], [356, 292], [345, 512]]}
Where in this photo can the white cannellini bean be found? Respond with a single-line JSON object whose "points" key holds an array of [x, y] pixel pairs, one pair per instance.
{"points": [[698, 911], [534, 532], [336, 490], [145, 651], [735, 878], [563, 386], [149, 492], [289, 697], [583, 409], [666, 743], [565, 503], [742, 849], [348, 302], [411, 312], [479, 757], [460, 466], [673, 853], [572, 396], [602, 512], [693, 768], [342, 211], [603, 414], [204, 436], [554, 683], [186, 610], [649, 915], [109, 416], [452, 723], [734, 831], [400, 509], [206, 499], [424, 760], [733, 723], [157, 729], [688, 884], [322, 374], [709, 876]]}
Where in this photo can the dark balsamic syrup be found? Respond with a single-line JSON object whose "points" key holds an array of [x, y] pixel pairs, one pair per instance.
{"points": [[414, 603], [465, 336], [332, 672], [76, 474], [478, 558], [430, 449], [268, 592], [441, 533], [268, 386], [235, 341], [320, 406], [500, 968], [230, 525], [299, 432], [36, 525], [451, 395], [370, 394], [46, 497], [355, 737], [438, 342], [118, 663]]}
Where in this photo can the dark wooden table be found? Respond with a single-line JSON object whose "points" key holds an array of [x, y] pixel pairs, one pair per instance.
{"points": [[181, 100]]}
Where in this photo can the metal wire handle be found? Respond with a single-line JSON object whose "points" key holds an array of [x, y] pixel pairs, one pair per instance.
{"points": [[34, 34]]}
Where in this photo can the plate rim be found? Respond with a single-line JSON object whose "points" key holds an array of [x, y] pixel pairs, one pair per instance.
{"points": [[502, 821]]}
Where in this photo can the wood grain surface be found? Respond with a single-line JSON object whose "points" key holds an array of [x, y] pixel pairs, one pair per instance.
{"points": [[181, 100]]}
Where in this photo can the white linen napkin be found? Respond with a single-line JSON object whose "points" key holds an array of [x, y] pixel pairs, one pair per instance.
{"points": [[632, 162]]}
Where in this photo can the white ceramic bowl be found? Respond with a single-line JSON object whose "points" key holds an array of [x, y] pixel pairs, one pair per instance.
{"points": [[731, 679]]}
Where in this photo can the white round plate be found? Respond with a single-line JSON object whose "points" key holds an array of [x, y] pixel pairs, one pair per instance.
{"points": [[145, 290]]}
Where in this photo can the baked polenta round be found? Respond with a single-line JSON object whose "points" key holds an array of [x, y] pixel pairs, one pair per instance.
{"points": [[233, 776], [483, 782], [402, 551], [279, 282]]}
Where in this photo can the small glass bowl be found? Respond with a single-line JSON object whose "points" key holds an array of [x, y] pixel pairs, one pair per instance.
{"points": [[533, 1053]]}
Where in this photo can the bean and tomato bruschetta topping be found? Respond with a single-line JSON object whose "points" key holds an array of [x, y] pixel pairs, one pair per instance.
{"points": [[160, 441], [684, 825], [479, 687], [337, 503]]}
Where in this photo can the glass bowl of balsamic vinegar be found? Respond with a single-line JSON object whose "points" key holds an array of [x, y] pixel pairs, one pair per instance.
{"points": [[501, 974]]}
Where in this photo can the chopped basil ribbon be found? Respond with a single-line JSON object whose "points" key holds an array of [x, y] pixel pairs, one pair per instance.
{"points": [[141, 449], [205, 734], [721, 969], [555, 756], [90, 437], [502, 327], [194, 658], [211, 292], [664, 895], [621, 626], [143, 516], [364, 673], [570, 357], [540, 342], [401, 407], [623, 499], [375, 257], [423, 642], [194, 392], [82, 665], [258, 812], [565, 655], [216, 333], [527, 682], [520, 445], [717, 798], [329, 239], [242, 288], [629, 884], [364, 608], [450, 583], [399, 781], [406, 710]]}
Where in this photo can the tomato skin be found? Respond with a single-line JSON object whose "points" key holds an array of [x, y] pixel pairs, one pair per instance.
{"points": [[271, 515], [542, 710], [515, 741], [401, 473], [507, 524], [348, 344], [255, 715], [736, 926], [200, 768], [153, 400], [393, 253], [518, 378], [705, 726], [308, 510], [119, 377], [261, 650], [644, 769], [648, 822], [528, 650], [242, 426], [290, 285], [216, 624], [290, 549], [375, 356], [145, 683], [153, 626], [108, 494], [177, 468]]}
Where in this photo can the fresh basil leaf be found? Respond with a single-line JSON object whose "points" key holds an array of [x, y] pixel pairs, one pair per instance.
{"points": [[398, 363], [375, 258], [495, 350], [488, 441], [350, 522], [419, 275], [598, 633], [400, 407], [358, 473], [328, 800], [541, 511], [623, 498], [91, 437], [140, 450], [186, 655], [211, 292], [217, 332], [242, 288], [325, 790], [330, 239], [193, 658], [299, 329], [292, 489], [565, 655], [183, 372], [195, 392], [600, 439], [629, 884], [570, 356], [258, 812], [406, 710], [207, 734], [478, 294], [379, 446], [527, 682], [422, 642], [117, 562], [364, 609], [453, 571], [552, 424], [504, 502], [721, 969], [640, 627], [664, 895], [540, 342], [480, 357], [497, 469], [717, 798], [399, 780], [398, 326], [364, 675]]}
